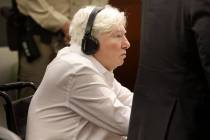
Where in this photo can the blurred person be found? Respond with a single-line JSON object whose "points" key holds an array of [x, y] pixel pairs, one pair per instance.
{"points": [[79, 98], [47, 27], [172, 92]]}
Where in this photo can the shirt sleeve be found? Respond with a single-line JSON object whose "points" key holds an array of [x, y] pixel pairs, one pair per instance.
{"points": [[43, 13], [123, 94], [93, 99]]}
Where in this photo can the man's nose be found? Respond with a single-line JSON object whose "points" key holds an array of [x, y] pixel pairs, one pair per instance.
{"points": [[126, 43]]}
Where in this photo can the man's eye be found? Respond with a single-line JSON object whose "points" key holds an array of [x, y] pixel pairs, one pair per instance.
{"points": [[119, 35]]}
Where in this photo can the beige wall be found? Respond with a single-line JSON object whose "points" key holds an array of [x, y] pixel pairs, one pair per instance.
{"points": [[8, 65]]}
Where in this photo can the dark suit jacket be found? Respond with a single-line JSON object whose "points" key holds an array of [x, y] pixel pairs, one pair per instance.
{"points": [[172, 92]]}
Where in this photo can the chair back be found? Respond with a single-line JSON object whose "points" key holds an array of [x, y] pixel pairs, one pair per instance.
{"points": [[16, 111]]}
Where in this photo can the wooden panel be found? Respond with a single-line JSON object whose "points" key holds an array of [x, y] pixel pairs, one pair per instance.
{"points": [[126, 74]]}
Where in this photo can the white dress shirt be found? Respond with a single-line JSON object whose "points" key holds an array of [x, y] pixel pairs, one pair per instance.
{"points": [[78, 99]]}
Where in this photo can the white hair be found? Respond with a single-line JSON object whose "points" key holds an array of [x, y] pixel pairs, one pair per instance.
{"points": [[104, 22]]}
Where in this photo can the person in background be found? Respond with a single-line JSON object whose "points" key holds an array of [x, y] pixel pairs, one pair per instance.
{"points": [[46, 32], [79, 97], [172, 92]]}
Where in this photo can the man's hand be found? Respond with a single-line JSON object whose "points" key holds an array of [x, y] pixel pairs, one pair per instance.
{"points": [[65, 30]]}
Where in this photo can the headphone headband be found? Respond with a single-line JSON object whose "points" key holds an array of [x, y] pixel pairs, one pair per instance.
{"points": [[90, 44], [91, 19]]}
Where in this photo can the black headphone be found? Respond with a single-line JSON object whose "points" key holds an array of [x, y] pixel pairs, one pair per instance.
{"points": [[90, 44]]}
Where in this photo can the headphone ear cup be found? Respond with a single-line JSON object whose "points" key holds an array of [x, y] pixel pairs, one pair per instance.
{"points": [[90, 45]]}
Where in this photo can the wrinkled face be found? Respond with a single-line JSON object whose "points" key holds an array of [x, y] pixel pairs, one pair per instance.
{"points": [[113, 46]]}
